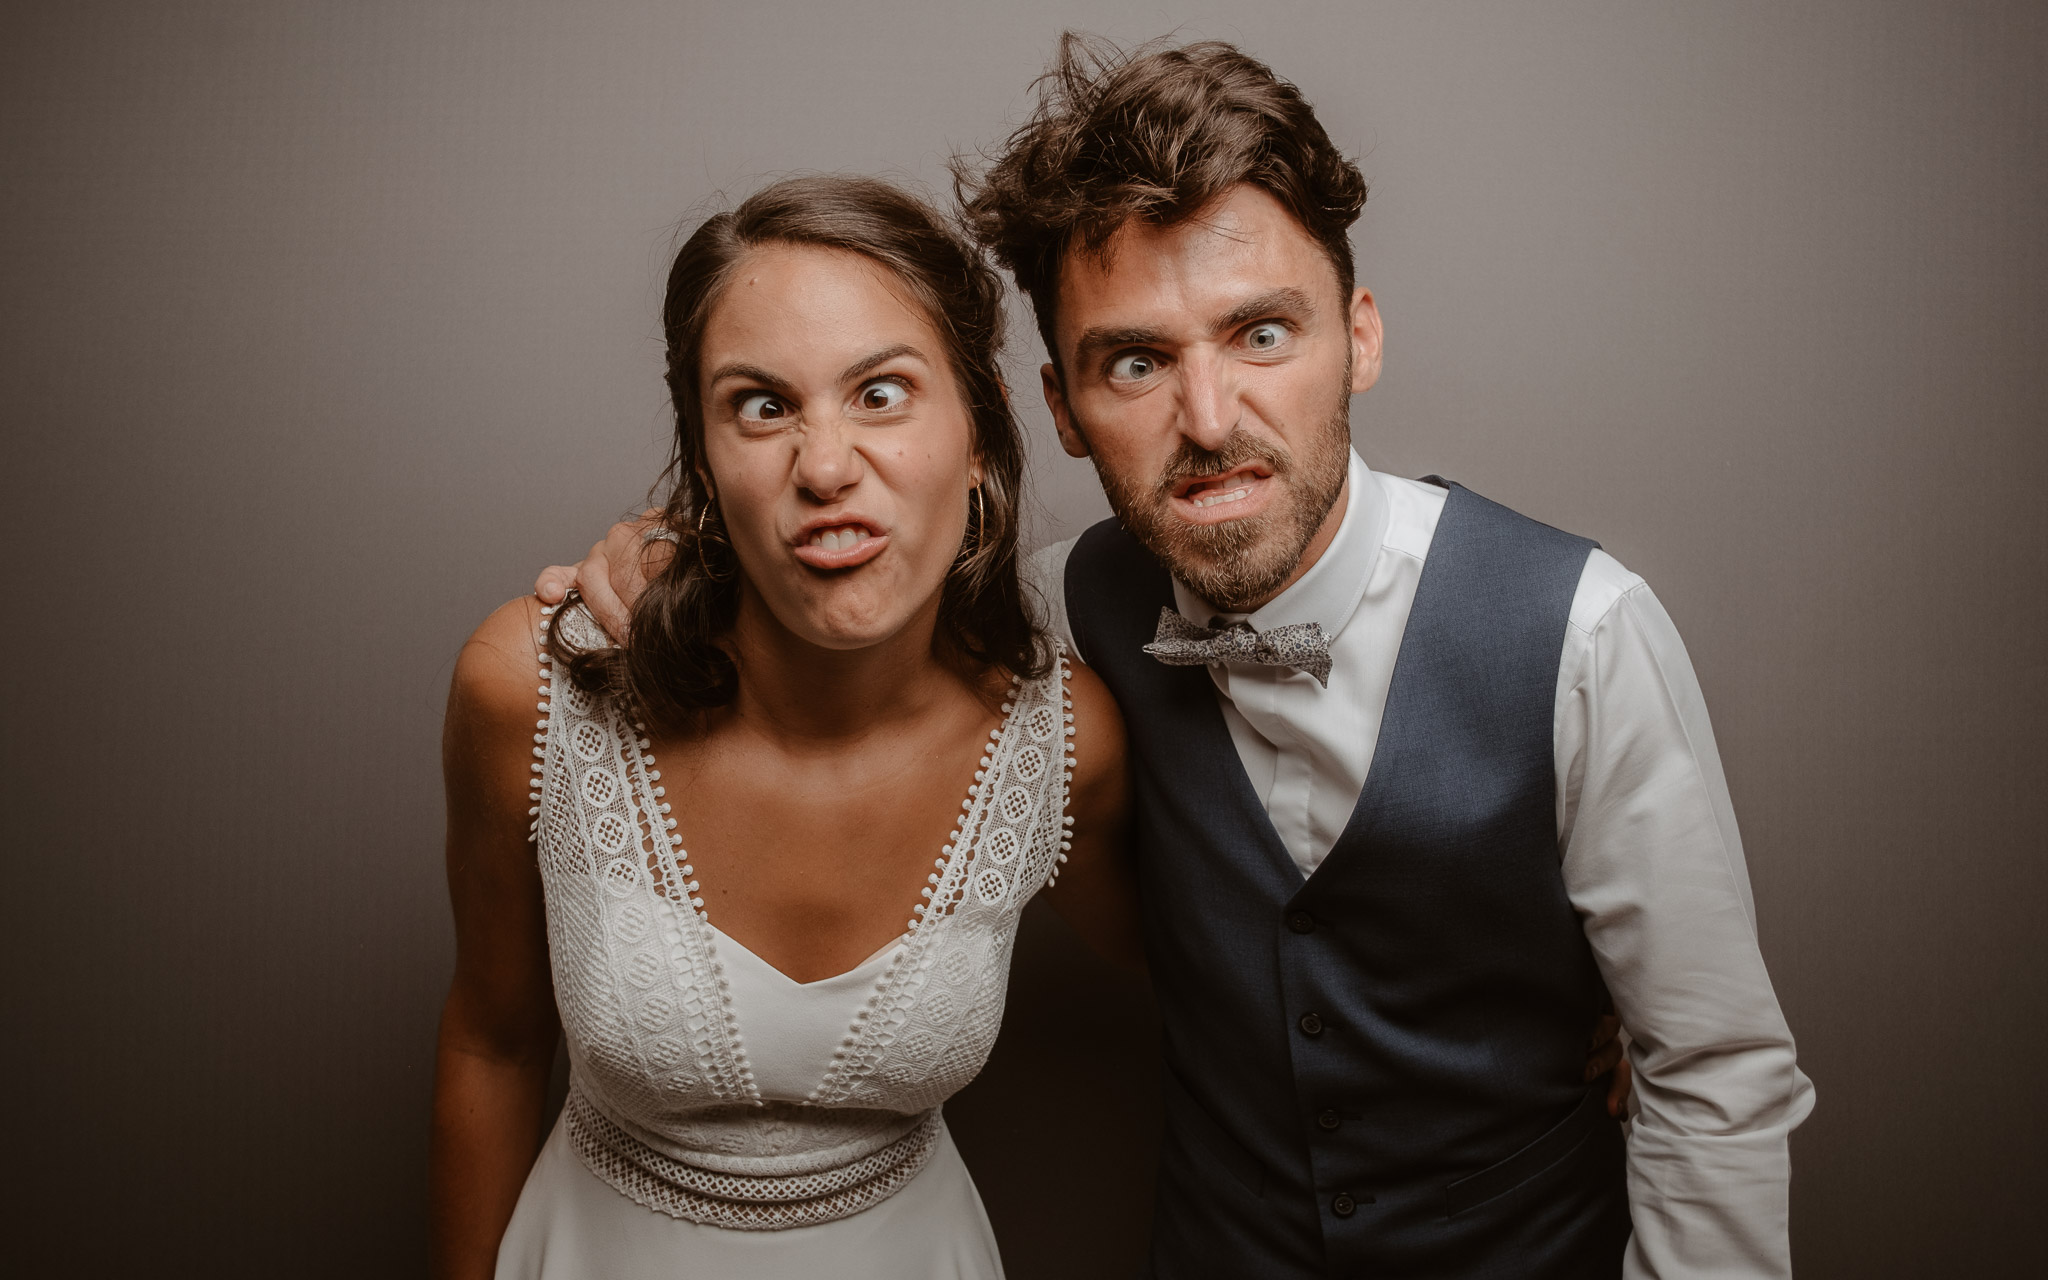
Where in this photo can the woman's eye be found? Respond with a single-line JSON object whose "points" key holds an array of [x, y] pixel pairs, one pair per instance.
{"points": [[1134, 367], [882, 395], [763, 407], [1265, 337]]}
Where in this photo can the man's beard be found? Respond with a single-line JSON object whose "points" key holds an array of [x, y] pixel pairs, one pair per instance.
{"points": [[1238, 564]]}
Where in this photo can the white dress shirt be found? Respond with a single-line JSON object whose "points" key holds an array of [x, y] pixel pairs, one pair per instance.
{"points": [[1651, 857]]}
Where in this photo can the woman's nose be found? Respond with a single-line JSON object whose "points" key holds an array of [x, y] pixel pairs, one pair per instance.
{"points": [[826, 461]]}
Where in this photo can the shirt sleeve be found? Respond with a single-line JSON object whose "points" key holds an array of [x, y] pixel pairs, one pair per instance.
{"points": [[1653, 863], [1045, 591]]}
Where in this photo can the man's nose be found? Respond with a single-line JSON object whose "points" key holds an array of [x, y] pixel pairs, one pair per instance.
{"points": [[827, 464], [1210, 408]]}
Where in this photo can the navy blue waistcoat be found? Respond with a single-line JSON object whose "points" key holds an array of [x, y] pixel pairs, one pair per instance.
{"points": [[1375, 1071]]}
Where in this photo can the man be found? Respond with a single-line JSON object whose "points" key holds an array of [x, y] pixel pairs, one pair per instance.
{"points": [[1419, 784]]}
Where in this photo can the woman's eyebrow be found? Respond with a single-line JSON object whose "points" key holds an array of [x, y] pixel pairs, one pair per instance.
{"points": [[747, 373], [755, 373], [879, 358]]}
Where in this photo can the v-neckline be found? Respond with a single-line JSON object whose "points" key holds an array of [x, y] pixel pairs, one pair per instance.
{"points": [[1210, 721], [720, 937], [953, 852], [1217, 725]]}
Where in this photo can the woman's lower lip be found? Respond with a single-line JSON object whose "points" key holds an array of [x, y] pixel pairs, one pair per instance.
{"points": [[845, 557]]}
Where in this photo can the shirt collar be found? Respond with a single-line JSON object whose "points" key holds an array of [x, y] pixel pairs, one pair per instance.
{"points": [[1328, 594]]}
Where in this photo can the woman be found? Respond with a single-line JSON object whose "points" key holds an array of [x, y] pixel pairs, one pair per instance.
{"points": [[733, 853]]}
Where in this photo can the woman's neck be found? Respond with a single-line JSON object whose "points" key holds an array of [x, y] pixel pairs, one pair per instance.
{"points": [[793, 689]]}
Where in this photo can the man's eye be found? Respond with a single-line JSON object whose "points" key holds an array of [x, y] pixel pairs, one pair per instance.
{"points": [[882, 395], [1134, 367], [762, 407], [1265, 337]]}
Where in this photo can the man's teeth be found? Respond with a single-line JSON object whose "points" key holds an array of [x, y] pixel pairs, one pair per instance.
{"points": [[1212, 499], [839, 539]]}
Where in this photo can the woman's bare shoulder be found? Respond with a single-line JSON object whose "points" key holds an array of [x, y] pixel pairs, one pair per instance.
{"points": [[1098, 733], [497, 673], [1096, 892]]}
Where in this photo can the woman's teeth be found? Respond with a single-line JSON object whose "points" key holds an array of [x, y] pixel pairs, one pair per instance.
{"points": [[839, 539], [1231, 495]]}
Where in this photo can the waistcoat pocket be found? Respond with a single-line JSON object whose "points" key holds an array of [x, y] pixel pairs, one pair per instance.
{"points": [[1553, 1148]]}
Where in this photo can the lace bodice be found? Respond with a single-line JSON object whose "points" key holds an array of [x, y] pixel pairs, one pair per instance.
{"points": [[662, 1104]]}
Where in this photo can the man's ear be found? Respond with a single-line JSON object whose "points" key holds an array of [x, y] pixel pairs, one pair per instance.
{"points": [[1365, 340], [1071, 438]]}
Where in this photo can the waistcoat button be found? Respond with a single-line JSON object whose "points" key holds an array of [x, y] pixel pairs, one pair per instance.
{"points": [[1343, 1205], [1329, 1120], [1302, 922], [1311, 1025]]}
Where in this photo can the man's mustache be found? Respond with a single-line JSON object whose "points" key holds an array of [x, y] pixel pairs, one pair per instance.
{"points": [[1192, 462]]}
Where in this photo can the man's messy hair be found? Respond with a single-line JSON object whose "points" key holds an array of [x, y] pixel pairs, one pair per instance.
{"points": [[1157, 133]]}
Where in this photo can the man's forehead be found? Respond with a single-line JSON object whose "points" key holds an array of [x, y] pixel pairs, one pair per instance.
{"points": [[1243, 243]]}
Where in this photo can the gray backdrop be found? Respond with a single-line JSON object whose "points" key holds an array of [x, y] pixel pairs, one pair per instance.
{"points": [[325, 326]]}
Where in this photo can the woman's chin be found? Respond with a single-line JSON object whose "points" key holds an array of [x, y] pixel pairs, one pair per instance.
{"points": [[848, 639], [848, 612], [847, 630]]}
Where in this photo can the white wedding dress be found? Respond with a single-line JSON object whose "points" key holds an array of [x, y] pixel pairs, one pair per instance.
{"points": [[724, 1120]]}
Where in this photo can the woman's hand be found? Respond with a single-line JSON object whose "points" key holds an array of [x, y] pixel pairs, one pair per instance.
{"points": [[1604, 1054], [498, 1027]]}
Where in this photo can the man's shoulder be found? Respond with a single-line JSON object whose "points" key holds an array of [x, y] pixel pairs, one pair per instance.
{"points": [[1602, 584], [1046, 568], [1104, 548], [1416, 506], [1045, 588], [1603, 581], [1109, 569], [1413, 509]]}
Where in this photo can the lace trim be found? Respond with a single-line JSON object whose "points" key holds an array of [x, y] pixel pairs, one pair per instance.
{"points": [[546, 708], [645, 996], [620, 837], [742, 1202], [1000, 852]]}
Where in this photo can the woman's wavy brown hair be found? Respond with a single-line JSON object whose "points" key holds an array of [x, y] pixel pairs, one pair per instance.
{"points": [[676, 661]]}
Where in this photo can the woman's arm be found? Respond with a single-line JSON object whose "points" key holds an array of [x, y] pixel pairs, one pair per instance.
{"points": [[498, 1027], [1097, 892]]}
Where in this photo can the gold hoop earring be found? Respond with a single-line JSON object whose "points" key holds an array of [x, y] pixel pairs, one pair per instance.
{"points": [[702, 537], [977, 524]]}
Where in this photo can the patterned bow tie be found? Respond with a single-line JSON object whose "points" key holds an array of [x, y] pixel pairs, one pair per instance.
{"points": [[1301, 645]]}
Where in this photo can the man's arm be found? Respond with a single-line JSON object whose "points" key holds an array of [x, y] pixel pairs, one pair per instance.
{"points": [[1653, 862], [612, 574]]}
